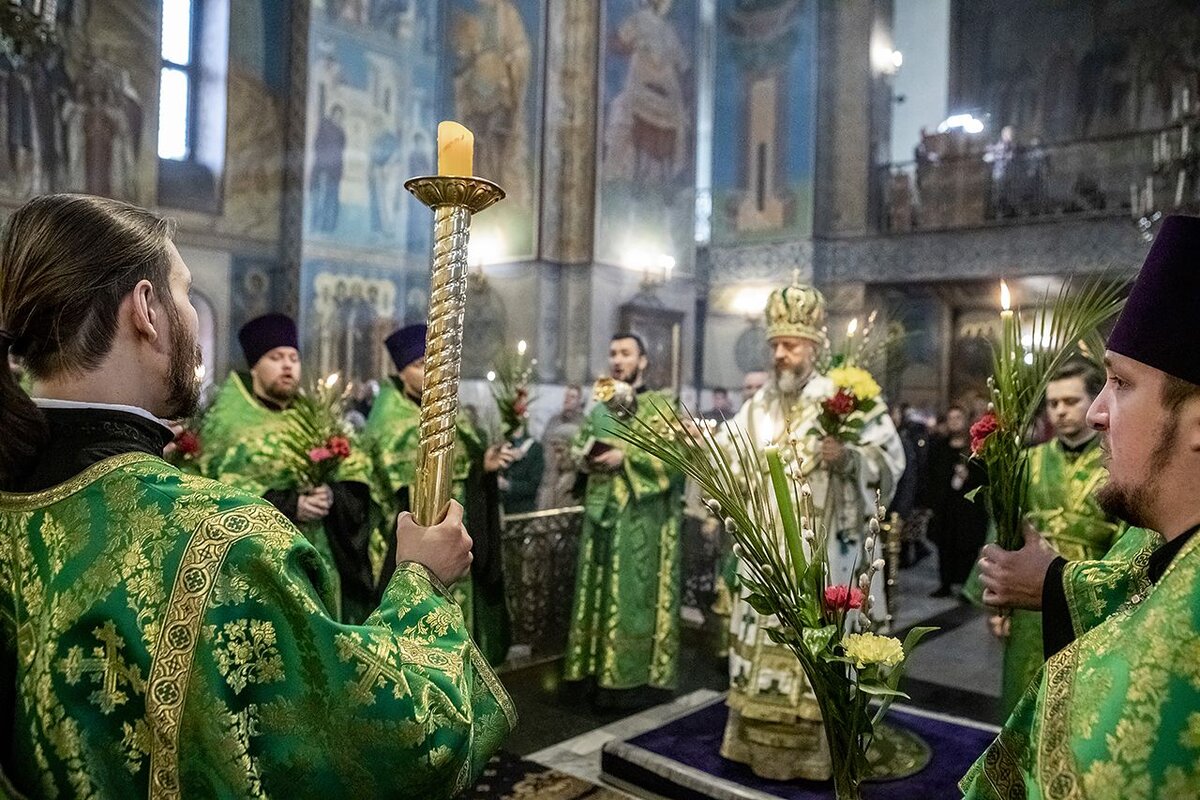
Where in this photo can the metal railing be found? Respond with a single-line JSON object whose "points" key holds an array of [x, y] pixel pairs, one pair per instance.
{"points": [[963, 183], [540, 552]]}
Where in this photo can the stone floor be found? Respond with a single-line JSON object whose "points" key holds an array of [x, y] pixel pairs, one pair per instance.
{"points": [[956, 671]]}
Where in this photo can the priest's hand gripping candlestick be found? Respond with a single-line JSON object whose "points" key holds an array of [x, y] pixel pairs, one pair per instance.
{"points": [[454, 195]]}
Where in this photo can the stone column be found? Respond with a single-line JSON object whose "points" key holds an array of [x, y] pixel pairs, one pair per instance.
{"points": [[844, 91], [291, 245], [569, 134], [569, 150]]}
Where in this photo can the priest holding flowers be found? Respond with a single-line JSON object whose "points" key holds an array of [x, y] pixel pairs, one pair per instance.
{"points": [[1116, 714], [244, 442], [391, 440]]}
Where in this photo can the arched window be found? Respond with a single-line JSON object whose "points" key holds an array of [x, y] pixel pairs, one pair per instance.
{"points": [[192, 102]]}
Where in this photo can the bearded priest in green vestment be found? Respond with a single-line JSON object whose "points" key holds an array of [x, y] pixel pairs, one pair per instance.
{"points": [[1116, 713], [1064, 475], [625, 616], [391, 439], [163, 635], [241, 438]]}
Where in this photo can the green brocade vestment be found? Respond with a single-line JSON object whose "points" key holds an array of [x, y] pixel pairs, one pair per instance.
{"points": [[1063, 507], [625, 615], [391, 439], [1117, 713], [1095, 590], [240, 442], [167, 636]]}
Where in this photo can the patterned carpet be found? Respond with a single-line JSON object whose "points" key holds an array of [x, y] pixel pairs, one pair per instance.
{"points": [[510, 777]]}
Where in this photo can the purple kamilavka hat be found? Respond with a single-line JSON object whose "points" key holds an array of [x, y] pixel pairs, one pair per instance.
{"points": [[263, 334], [1158, 324], [406, 345]]}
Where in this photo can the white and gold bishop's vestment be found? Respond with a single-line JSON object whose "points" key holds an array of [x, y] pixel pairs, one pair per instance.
{"points": [[774, 722]]}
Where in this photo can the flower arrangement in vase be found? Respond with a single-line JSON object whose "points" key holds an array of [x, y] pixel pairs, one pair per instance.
{"points": [[767, 507]]}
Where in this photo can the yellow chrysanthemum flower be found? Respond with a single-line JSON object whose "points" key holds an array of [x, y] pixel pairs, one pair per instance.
{"points": [[865, 649], [855, 380]]}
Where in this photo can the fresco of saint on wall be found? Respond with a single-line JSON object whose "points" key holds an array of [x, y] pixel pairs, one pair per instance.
{"points": [[371, 126], [495, 49], [348, 317], [647, 172], [75, 115], [764, 106]]}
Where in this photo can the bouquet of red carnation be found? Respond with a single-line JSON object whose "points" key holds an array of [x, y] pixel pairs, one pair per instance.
{"points": [[186, 448], [316, 440], [843, 598], [335, 450], [188, 444], [1020, 372], [511, 381], [982, 431]]}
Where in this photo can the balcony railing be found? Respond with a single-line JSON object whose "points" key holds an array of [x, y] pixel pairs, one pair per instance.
{"points": [[960, 182]]}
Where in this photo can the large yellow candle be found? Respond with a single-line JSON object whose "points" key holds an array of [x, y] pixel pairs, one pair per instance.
{"points": [[456, 149]]}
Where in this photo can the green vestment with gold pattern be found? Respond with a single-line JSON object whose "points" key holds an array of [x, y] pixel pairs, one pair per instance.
{"points": [[1094, 590], [391, 439], [1062, 505], [625, 615], [241, 441], [1117, 713], [168, 636]]}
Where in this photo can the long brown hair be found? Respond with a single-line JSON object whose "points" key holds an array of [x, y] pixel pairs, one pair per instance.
{"points": [[66, 264]]}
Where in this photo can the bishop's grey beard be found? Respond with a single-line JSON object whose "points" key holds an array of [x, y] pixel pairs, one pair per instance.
{"points": [[789, 381]]}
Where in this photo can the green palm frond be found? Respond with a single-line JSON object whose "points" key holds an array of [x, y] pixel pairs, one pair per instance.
{"points": [[868, 347], [765, 509], [512, 379], [1058, 328], [314, 417]]}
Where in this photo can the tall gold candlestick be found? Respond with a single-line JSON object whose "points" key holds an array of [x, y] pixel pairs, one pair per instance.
{"points": [[453, 200]]}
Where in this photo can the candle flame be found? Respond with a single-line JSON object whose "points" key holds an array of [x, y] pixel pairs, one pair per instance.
{"points": [[522, 346], [852, 328], [332, 380], [1005, 297]]}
